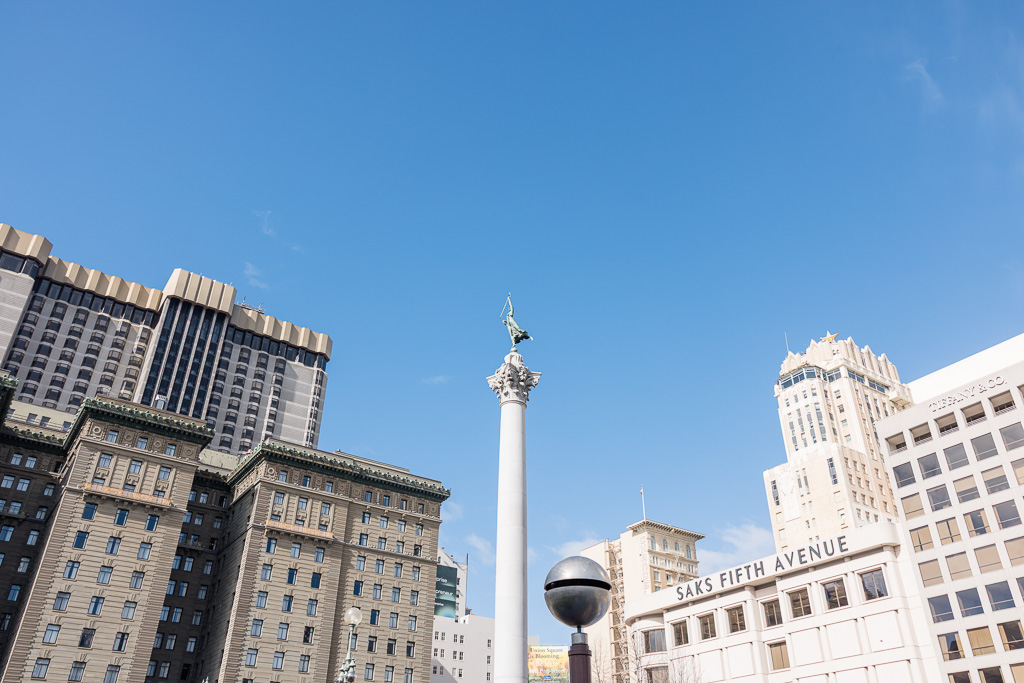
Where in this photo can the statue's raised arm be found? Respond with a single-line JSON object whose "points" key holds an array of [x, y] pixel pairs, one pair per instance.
{"points": [[517, 333]]}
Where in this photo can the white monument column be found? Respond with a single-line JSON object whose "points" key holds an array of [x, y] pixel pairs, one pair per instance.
{"points": [[512, 382]]}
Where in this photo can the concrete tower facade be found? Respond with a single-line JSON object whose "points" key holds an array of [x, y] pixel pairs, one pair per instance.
{"points": [[512, 382], [830, 398], [68, 333]]}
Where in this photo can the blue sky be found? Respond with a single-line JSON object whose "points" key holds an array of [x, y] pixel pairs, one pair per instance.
{"points": [[666, 188]]}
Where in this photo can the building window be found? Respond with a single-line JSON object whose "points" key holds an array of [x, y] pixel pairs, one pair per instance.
{"points": [[778, 655], [970, 602], [940, 608], [368, 673], [654, 641], [60, 603], [1012, 635], [120, 642], [912, 506], [52, 631], [737, 622], [96, 605], [999, 596], [938, 498], [40, 668], [121, 518], [1006, 514], [800, 603], [873, 583], [949, 644], [981, 641], [80, 539], [679, 631], [707, 626], [948, 531], [977, 523], [772, 613]]}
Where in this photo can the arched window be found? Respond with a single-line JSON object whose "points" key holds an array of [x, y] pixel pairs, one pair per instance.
{"points": [[677, 546], [654, 543], [664, 545], [688, 555]]}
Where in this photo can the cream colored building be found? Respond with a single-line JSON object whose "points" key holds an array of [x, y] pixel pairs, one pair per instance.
{"points": [[830, 399], [68, 332], [649, 557], [956, 459], [838, 610]]}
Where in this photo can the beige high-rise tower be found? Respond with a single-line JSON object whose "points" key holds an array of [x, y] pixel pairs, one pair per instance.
{"points": [[830, 398]]}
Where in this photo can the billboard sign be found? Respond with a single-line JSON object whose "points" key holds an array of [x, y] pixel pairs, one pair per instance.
{"points": [[548, 663], [444, 592]]}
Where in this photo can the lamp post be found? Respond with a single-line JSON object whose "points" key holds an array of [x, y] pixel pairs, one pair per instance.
{"points": [[347, 672], [578, 593]]}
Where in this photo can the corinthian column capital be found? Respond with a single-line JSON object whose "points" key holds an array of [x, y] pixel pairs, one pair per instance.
{"points": [[513, 380]]}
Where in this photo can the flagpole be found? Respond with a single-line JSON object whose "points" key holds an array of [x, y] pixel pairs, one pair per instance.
{"points": [[643, 503]]}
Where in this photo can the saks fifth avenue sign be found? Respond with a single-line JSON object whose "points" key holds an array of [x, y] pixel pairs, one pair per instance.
{"points": [[769, 566], [966, 394]]}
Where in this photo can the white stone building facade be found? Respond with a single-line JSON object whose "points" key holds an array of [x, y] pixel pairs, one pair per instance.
{"points": [[840, 610], [956, 459]]}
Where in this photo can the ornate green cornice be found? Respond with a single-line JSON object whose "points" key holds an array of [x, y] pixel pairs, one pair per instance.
{"points": [[336, 466], [141, 417], [8, 383], [34, 438]]}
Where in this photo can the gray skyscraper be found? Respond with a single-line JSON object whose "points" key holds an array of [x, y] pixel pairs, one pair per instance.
{"points": [[68, 332]]}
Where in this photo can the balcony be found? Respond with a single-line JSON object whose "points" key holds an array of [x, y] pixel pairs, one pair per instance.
{"points": [[113, 492], [302, 530]]}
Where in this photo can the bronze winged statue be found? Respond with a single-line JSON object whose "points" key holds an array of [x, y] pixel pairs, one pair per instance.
{"points": [[517, 333]]}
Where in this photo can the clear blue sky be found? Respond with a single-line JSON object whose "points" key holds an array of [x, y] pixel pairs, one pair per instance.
{"points": [[666, 188]]}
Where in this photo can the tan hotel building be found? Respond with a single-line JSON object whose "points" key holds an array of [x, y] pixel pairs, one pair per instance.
{"points": [[647, 558], [128, 552], [68, 332]]}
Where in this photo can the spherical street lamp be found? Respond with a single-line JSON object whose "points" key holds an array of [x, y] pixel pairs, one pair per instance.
{"points": [[347, 674], [578, 593]]}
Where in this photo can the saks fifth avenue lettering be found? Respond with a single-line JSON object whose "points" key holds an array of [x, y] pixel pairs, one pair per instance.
{"points": [[737, 576], [965, 394]]}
